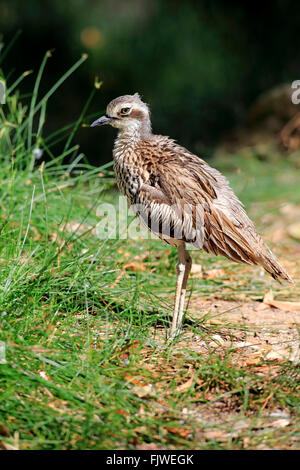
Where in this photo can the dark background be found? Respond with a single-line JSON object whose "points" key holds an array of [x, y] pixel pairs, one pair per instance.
{"points": [[200, 64]]}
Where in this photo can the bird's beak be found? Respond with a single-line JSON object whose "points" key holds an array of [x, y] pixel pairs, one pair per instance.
{"points": [[101, 121]]}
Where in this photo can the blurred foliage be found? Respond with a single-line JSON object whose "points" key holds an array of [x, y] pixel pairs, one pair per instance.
{"points": [[199, 64]]}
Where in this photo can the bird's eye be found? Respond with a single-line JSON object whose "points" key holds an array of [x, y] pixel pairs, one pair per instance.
{"points": [[125, 111]]}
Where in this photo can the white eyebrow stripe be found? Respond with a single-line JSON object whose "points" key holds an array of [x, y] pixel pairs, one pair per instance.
{"points": [[125, 105]]}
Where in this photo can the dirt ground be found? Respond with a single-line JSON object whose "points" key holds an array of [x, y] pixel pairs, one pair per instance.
{"points": [[255, 329], [260, 338], [268, 328]]}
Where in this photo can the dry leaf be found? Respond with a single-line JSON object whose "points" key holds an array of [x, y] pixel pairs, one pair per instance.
{"points": [[143, 391], [214, 273], [14, 445], [216, 434], [179, 431], [134, 266], [59, 406], [289, 209], [277, 355], [150, 446], [253, 361], [8, 446], [246, 442], [37, 235], [4, 431], [118, 278], [283, 305], [268, 297], [185, 386], [261, 306], [73, 226], [43, 374], [280, 423], [294, 230], [133, 381], [217, 340], [286, 305]]}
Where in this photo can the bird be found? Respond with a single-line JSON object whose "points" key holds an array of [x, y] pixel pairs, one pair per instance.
{"points": [[180, 198]]}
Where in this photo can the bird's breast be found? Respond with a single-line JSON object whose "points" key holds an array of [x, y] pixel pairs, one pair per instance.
{"points": [[129, 171]]}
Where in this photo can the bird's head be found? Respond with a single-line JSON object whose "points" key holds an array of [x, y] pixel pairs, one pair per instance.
{"points": [[129, 114]]}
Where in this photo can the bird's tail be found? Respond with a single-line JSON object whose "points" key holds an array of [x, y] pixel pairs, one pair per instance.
{"points": [[271, 264]]}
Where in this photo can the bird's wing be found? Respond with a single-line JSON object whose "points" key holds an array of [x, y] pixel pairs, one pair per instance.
{"points": [[169, 219], [195, 200], [186, 199]]}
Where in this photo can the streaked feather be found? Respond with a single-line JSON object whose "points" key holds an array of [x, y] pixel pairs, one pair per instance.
{"points": [[180, 197]]}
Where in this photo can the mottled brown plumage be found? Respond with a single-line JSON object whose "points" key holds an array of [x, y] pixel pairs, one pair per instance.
{"points": [[180, 198]]}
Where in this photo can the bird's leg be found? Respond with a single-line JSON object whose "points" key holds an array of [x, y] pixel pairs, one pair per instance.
{"points": [[180, 277], [188, 266]]}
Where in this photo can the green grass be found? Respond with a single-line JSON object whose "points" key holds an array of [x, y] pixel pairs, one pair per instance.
{"points": [[87, 365]]}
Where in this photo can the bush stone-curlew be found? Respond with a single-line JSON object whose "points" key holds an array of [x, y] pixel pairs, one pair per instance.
{"points": [[180, 198]]}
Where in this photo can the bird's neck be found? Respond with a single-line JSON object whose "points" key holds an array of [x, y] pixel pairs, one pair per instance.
{"points": [[124, 145], [135, 133]]}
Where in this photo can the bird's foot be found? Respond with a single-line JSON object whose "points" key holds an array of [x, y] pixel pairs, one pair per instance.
{"points": [[173, 334]]}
